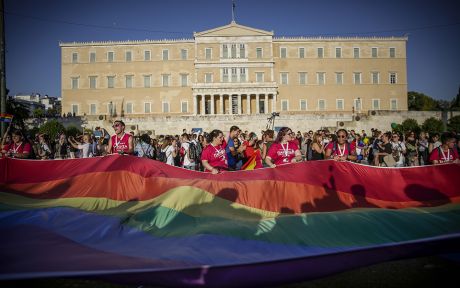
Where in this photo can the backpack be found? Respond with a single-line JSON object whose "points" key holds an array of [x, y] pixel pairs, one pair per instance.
{"points": [[162, 155], [193, 153]]}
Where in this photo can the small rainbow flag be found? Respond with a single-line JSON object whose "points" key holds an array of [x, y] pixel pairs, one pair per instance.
{"points": [[6, 118], [251, 162]]}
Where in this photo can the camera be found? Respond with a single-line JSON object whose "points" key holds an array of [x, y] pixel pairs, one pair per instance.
{"points": [[276, 114]]}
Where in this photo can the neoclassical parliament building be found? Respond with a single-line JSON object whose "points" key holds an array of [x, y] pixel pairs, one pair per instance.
{"points": [[234, 69]]}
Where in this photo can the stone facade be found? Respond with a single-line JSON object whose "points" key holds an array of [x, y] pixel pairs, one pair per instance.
{"points": [[234, 70]]}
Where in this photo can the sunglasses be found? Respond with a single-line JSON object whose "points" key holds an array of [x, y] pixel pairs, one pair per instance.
{"points": [[395, 136], [341, 136], [116, 125]]}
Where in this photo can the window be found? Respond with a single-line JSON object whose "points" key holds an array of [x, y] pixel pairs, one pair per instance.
{"points": [[375, 104], [284, 78], [224, 74], [128, 56], [75, 109], [233, 51], [358, 104], [259, 53], [147, 106], [301, 52], [303, 78], [356, 52], [284, 105], [321, 78], [283, 52], [147, 81], [375, 77], [303, 104], [208, 78], [165, 80], [375, 52], [242, 51], [129, 81], [321, 104], [92, 57], [357, 78], [338, 52], [259, 77], [339, 78], [339, 104], [110, 81], [165, 107], [110, 56], [393, 78], [92, 109], [394, 104], [183, 80], [129, 108], [225, 51], [75, 57], [208, 53], [92, 82], [234, 75], [392, 52], [147, 55], [184, 107], [110, 108], [320, 52], [242, 74], [74, 83], [183, 54], [165, 55]]}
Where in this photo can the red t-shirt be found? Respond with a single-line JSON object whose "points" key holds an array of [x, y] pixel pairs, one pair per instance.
{"points": [[215, 156], [13, 149], [340, 150], [120, 144], [443, 156], [282, 153]]}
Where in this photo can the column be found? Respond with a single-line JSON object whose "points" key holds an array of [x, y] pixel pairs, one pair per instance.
{"points": [[273, 103], [195, 104], [212, 104], [221, 104], [266, 103], [239, 104], [203, 104], [257, 104], [230, 106], [248, 104]]}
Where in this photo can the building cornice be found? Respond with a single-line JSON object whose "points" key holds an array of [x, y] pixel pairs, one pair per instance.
{"points": [[338, 38], [127, 42]]}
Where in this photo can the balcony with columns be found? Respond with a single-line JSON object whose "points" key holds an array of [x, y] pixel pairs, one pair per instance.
{"points": [[234, 98]]}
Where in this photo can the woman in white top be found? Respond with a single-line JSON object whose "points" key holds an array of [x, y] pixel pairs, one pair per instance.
{"points": [[169, 147], [84, 147]]}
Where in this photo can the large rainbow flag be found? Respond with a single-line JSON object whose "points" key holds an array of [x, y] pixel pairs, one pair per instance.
{"points": [[139, 221]]}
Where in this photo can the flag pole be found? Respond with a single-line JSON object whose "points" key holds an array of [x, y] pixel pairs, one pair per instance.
{"points": [[2, 65], [233, 11]]}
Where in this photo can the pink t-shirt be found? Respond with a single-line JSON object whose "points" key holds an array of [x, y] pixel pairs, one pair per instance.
{"points": [[340, 150], [215, 156], [282, 153], [443, 156], [120, 144]]}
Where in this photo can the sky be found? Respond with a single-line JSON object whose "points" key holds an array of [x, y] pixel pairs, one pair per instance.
{"points": [[34, 28]]}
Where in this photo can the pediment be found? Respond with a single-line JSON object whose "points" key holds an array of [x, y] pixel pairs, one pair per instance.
{"points": [[233, 29]]}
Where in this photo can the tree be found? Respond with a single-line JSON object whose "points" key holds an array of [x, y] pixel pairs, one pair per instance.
{"points": [[52, 128], [411, 125], [455, 105], [73, 131], [433, 125], [454, 124], [38, 113], [421, 102], [19, 112]]}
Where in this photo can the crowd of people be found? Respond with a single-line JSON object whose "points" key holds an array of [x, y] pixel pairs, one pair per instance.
{"points": [[217, 151]]}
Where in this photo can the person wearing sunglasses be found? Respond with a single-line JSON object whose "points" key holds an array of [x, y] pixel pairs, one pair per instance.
{"points": [[341, 150], [284, 150], [446, 153], [121, 142]]}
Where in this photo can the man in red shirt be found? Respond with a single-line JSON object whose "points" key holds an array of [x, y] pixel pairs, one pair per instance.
{"points": [[18, 148], [446, 153], [341, 150], [121, 142]]}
